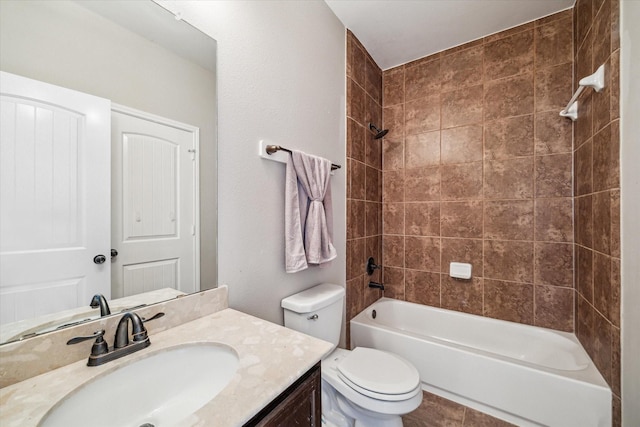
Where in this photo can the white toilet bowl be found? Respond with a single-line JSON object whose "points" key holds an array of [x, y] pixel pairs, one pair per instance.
{"points": [[358, 391], [360, 388]]}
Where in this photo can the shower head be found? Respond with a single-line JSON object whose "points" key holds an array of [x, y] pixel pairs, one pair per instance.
{"points": [[378, 133]]}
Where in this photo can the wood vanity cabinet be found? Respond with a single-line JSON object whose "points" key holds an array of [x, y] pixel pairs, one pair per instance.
{"points": [[299, 405]]}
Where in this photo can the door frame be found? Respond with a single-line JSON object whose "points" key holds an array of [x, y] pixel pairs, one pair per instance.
{"points": [[195, 131]]}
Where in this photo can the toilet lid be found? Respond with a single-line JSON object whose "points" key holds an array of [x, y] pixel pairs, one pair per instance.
{"points": [[378, 372]]}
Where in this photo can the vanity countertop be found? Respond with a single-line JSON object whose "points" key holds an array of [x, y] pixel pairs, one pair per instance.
{"points": [[271, 358]]}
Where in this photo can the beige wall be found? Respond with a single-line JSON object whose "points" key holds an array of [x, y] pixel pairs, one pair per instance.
{"points": [[630, 206], [280, 78], [67, 45]]}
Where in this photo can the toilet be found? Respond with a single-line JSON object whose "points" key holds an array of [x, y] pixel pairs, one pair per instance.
{"points": [[364, 387]]}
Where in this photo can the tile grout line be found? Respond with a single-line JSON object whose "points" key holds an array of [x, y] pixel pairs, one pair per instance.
{"points": [[484, 124], [440, 92], [535, 153]]}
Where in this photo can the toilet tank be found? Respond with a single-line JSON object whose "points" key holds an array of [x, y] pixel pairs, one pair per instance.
{"points": [[316, 312]]}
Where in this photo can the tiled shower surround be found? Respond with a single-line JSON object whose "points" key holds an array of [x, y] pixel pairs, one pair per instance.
{"points": [[597, 191], [477, 168], [364, 221]]}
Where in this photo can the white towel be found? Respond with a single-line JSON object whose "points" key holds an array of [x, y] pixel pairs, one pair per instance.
{"points": [[308, 212]]}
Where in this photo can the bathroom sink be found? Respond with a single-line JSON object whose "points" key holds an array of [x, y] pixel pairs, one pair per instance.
{"points": [[158, 390]]}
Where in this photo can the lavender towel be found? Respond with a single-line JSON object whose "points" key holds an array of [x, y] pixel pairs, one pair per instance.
{"points": [[308, 212]]}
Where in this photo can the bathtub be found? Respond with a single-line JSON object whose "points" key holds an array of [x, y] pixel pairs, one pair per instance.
{"points": [[526, 375]]}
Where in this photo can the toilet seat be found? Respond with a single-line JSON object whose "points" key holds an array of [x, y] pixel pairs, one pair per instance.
{"points": [[379, 374], [384, 406]]}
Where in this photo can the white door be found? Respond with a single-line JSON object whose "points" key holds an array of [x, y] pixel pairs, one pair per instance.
{"points": [[54, 203], [154, 200]]}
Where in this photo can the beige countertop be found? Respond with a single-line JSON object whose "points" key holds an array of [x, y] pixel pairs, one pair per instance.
{"points": [[271, 358]]}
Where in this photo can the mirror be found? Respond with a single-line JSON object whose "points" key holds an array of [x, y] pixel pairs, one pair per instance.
{"points": [[152, 67]]}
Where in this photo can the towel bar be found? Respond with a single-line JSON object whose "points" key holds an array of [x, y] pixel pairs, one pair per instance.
{"points": [[595, 81], [270, 149]]}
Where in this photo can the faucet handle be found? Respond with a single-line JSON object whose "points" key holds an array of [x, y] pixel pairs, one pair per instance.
{"points": [[96, 334], [99, 347], [154, 317], [372, 266]]}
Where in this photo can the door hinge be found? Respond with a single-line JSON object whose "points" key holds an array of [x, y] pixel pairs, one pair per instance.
{"points": [[193, 153], [193, 230]]}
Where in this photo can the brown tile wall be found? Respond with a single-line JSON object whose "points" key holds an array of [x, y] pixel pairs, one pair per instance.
{"points": [[477, 168], [597, 190], [364, 176]]}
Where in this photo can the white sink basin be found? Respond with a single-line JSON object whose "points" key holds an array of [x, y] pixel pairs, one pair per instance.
{"points": [[160, 389]]}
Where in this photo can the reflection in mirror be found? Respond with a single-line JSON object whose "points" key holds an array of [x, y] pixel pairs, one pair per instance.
{"points": [[157, 229]]}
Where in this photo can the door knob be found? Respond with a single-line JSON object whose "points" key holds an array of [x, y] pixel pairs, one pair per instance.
{"points": [[99, 259], [114, 253]]}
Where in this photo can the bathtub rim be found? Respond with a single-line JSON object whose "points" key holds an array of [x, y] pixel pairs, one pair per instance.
{"points": [[589, 374]]}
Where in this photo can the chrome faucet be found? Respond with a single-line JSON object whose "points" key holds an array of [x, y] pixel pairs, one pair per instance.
{"points": [[100, 351], [99, 300]]}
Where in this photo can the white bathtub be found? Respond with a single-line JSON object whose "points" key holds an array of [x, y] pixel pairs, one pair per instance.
{"points": [[523, 374]]}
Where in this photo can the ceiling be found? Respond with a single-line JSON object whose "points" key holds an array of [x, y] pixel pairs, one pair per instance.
{"points": [[398, 31]]}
